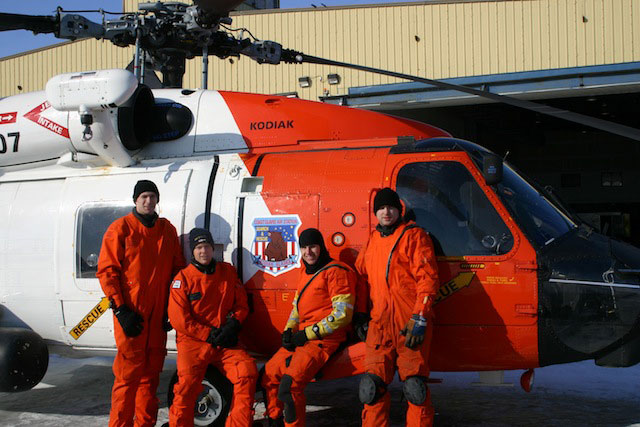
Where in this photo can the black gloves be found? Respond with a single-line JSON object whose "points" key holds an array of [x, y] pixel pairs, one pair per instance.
{"points": [[286, 340], [291, 340], [213, 333], [360, 324], [130, 321], [227, 336], [414, 331], [299, 338]]}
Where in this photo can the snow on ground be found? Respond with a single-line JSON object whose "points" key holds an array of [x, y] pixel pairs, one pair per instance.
{"points": [[76, 392]]}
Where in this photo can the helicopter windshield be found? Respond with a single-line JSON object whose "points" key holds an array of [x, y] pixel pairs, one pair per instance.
{"points": [[541, 221]]}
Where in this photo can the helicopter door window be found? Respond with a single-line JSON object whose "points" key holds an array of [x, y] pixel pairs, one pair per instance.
{"points": [[451, 206], [92, 222]]}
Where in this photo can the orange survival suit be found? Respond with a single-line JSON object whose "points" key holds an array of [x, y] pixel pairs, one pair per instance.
{"points": [[401, 271], [322, 307], [135, 267], [199, 301]]}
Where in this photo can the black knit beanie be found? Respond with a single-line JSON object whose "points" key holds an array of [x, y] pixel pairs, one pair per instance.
{"points": [[386, 197], [199, 235], [311, 236], [142, 186]]}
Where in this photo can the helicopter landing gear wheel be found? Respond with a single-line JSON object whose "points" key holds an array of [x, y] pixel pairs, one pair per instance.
{"points": [[213, 402]]}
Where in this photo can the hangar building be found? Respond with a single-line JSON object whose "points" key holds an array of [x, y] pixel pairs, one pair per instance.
{"points": [[579, 55]]}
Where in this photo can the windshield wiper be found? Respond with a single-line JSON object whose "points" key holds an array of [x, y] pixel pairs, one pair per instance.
{"points": [[550, 193]]}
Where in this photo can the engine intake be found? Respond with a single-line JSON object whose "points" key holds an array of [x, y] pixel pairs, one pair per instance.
{"points": [[134, 119]]}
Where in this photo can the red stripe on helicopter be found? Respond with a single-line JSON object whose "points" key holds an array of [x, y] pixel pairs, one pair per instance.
{"points": [[6, 118], [35, 116]]}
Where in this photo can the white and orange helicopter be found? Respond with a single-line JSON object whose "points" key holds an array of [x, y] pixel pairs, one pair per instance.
{"points": [[524, 282]]}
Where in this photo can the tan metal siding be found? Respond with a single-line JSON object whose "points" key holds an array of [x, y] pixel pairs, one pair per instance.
{"points": [[431, 39], [32, 71], [635, 27]]}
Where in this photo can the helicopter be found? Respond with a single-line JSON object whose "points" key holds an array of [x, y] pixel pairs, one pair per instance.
{"points": [[525, 283]]}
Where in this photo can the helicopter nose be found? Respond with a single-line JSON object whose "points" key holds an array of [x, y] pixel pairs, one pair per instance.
{"points": [[589, 301]]}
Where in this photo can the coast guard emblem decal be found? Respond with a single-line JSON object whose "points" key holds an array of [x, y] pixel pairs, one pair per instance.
{"points": [[275, 245]]}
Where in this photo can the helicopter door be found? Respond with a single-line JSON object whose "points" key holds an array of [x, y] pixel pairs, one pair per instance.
{"points": [[482, 257], [89, 205]]}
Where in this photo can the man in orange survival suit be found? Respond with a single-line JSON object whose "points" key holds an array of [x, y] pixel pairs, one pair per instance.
{"points": [[322, 307], [207, 304], [400, 267], [140, 254]]}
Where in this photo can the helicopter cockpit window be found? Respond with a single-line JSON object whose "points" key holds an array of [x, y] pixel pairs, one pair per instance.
{"points": [[451, 206], [540, 220], [92, 222]]}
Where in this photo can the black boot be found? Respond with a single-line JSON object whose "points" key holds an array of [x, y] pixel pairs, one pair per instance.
{"points": [[284, 394], [278, 422]]}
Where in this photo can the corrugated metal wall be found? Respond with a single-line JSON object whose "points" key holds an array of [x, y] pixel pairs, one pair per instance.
{"points": [[31, 71], [431, 39]]}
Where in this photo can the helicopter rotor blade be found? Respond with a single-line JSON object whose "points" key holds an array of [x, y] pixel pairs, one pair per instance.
{"points": [[35, 23], [219, 7], [593, 122], [212, 11]]}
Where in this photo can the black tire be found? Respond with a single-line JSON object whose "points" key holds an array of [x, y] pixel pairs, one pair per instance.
{"points": [[213, 403], [24, 359]]}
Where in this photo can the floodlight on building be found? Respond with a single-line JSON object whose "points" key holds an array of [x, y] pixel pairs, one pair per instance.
{"points": [[304, 81], [288, 94], [333, 79]]}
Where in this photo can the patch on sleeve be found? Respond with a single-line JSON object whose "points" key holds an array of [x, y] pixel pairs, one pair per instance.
{"points": [[176, 284]]}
